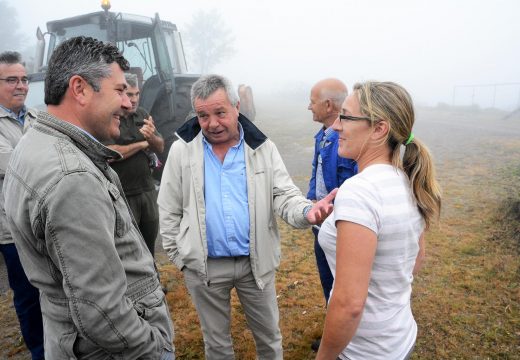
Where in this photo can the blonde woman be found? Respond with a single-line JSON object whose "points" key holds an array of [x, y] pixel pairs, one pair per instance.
{"points": [[374, 239]]}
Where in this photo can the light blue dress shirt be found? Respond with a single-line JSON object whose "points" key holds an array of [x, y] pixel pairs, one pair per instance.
{"points": [[225, 192]]}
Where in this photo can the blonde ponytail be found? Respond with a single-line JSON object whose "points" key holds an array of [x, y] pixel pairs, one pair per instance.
{"points": [[418, 165], [391, 102]]}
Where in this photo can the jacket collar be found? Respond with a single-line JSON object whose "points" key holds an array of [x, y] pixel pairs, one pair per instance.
{"points": [[333, 135], [93, 148], [252, 135], [28, 112]]}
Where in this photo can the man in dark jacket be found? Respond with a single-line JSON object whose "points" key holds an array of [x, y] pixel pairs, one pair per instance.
{"points": [[138, 143]]}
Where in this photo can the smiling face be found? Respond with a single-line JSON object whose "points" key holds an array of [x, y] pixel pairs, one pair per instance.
{"points": [[218, 118], [13, 97], [106, 106], [354, 135]]}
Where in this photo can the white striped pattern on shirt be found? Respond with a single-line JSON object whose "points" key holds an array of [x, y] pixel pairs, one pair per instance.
{"points": [[380, 199]]}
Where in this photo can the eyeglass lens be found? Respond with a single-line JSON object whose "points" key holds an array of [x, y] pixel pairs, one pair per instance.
{"points": [[14, 80]]}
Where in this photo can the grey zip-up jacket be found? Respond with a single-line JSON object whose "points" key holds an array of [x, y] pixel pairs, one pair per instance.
{"points": [[270, 191], [78, 243], [11, 132]]}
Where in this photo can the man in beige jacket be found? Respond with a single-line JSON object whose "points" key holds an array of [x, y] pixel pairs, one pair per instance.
{"points": [[222, 185], [15, 119]]}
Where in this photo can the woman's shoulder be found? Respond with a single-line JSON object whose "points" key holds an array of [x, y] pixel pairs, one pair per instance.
{"points": [[370, 183]]}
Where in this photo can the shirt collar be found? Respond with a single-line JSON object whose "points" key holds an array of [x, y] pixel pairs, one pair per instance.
{"points": [[240, 140], [86, 133], [328, 131], [21, 115]]}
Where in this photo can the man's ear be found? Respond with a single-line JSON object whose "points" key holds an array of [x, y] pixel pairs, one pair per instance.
{"points": [[79, 89], [238, 106], [330, 106]]}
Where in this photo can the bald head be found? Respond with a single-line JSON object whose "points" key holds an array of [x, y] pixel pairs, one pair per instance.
{"points": [[331, 89], [326, 98]]}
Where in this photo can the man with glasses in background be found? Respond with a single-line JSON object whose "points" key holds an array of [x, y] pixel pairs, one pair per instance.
{"points": [[15, 119]]}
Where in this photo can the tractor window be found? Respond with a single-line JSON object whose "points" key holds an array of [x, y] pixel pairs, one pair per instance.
{"points": [[92, 30], [139, 53], [170, 43]]}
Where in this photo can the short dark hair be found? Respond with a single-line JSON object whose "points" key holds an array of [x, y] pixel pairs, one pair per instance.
{"points": [[83, 56], [10, 57]]}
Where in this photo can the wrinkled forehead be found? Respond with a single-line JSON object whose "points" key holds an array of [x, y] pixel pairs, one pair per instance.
{"points": [[315, 93], [132, 89], [17, 70], [217, 98]]}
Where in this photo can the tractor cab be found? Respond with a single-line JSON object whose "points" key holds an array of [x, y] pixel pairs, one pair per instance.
{"points": [[154, 50]]}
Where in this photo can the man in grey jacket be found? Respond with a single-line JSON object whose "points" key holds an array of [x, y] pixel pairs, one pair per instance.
{"points": [[15, 119], [222, 185], [78, 243]]}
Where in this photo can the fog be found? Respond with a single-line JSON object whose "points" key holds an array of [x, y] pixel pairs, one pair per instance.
{"points": [[434, 48]]}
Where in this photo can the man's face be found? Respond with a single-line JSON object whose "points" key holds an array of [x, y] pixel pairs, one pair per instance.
{"points": [[317, 106], [218, 119], [133, 94], [105, 107], [13, 97]]}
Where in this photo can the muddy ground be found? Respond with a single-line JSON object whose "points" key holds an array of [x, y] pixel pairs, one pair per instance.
{"points": [[455, 136]]}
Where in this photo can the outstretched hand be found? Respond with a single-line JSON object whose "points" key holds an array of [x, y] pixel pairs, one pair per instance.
{"points": [[321, 209]]}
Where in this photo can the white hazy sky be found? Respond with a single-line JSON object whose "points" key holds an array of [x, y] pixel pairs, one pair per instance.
{"points": [[427, 46]]}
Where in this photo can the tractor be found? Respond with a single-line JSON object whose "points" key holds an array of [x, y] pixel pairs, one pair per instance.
{"points": [[155, 52]]}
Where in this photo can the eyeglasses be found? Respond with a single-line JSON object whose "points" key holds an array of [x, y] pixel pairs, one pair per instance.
{"points": [[353, 118], [13, 81]]}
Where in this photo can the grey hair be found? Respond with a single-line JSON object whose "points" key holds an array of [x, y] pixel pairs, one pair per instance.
{"points": [[10, 58], [83, 56], [131, 79], [337, 97], [208, 84]]}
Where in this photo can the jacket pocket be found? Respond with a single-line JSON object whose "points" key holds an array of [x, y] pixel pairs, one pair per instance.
{"points": [[183, 245], [153, 309], [123, 217], [67, 344]]}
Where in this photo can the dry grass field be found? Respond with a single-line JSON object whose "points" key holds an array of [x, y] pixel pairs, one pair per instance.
{"points": [[467, 298]]}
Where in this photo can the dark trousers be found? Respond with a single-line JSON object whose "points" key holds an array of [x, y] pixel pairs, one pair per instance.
{"points": [[146, 214], [26, 302], [326, 277]]}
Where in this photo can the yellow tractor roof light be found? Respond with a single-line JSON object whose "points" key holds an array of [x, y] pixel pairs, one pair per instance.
{"points": [[105, 5]]}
